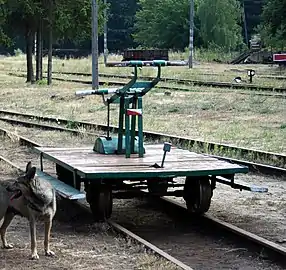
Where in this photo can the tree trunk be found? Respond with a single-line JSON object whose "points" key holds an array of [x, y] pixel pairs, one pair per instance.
{"points": [[39, 52], [29, 54], [50, 47]]}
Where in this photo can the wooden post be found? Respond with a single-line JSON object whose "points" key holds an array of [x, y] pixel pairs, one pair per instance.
{"points": [[30, 34], [50, 47], [39, 52], [191, 43], [105, 34], [95, 82], [245, 25]]}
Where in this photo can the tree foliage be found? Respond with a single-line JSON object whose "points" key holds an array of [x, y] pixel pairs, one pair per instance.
{"points": [[121, 17], [253, 10], [165, 23], [220, 23], [162, 24], [71, 18], [273, 26]]}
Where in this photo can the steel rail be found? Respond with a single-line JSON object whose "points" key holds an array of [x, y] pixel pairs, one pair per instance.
{"points": [[278, 249], [238, 231], [117, 227], [45, 127], [173, 88], [187, 81], [183, 142]]}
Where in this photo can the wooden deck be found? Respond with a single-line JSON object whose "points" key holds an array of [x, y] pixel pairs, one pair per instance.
{"points": [[178, 162]]}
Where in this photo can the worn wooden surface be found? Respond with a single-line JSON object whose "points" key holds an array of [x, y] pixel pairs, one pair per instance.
{"points": [[88, 162]]}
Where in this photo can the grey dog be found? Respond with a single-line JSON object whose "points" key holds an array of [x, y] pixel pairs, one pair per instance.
{"points": [[32, 198]]}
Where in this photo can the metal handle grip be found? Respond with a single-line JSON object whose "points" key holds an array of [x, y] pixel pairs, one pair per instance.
{"points": [[96, 92]]}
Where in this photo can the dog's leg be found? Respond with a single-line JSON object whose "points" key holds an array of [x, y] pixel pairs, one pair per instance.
{"points": [[34, 253], [48, 226], [7, 220]]}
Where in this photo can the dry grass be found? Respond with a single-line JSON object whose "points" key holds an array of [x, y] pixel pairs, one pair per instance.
{"points": [[201, 71], [246, 120]]}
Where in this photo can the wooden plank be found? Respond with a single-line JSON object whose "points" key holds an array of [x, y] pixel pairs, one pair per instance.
{"points": [[142, 169], [178, 161], [120, 162], [86, 163]]}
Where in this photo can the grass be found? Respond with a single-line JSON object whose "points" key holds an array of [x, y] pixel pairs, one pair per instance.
{"points": [[245, 120]]}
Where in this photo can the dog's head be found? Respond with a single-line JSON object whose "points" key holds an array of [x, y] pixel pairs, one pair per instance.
{"points": [[23, 183]]}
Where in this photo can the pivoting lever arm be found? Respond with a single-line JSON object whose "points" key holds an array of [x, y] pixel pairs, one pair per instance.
{"points": [[167, 148]]}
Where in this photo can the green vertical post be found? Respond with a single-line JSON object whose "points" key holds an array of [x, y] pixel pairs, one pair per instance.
{"points": [[120, 127], [127, 135], [140, 129], [133, 125]]}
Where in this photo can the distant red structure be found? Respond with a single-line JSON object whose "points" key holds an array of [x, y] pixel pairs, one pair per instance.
{"points": [[279, 57]]}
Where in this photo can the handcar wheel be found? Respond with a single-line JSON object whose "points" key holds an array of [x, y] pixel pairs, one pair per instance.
{"points": [[101, 202], [198, 194]]}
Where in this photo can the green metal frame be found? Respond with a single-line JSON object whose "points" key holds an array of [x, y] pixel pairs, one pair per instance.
{"points": [[128, 97]]}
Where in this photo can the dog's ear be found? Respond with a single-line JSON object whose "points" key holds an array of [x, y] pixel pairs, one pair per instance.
{"points": [[30, 174], [28, 166]]}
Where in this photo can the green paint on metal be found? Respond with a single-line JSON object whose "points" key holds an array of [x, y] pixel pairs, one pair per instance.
{"points": [[103, 91], [141, 85], [136, 63], [160, 63], [61, 188], [109, 146], [160, 173], [130, 96]]}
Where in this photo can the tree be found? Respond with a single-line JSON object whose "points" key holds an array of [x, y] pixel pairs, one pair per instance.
{"points": [[21, 16], [219, 23], [253, 10], [273, 26], [120, 23], [71, 20], [164, 24], [4, 38]]}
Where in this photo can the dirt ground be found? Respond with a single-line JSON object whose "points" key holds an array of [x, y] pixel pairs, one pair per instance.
{"points": [[74, 236], [78, 242], [262, 214], [244, 120]]}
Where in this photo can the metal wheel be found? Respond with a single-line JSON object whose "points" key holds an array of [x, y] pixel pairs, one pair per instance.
{"points": [[157, 185], [100, 200], [197, 194], [66, 176]]}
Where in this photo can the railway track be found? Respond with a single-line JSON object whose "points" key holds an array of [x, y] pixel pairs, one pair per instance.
{"points": [[113, 224], [188, 82], [272, 91], [263, 162], [262, 244]]}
